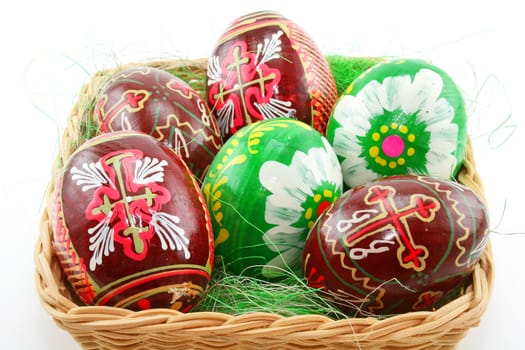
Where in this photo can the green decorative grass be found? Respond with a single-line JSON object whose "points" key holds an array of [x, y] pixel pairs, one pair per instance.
{"points": [[346, 69]]}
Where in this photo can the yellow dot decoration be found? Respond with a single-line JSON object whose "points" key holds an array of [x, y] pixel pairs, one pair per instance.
{"points": [[377, 136], [308, 214], [380, 161], [176, 305], [373, 151]]}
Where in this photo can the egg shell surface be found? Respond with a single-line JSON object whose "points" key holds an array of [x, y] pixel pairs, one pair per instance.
{"points": [[164, 106], [130, 226], [265, 189], [405, 116], [398, 244], [265, 66]]}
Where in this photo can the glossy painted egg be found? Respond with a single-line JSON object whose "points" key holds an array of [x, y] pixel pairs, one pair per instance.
{"points": [[265, 66], [158, 103], [131, 228], [399, 117], [398, 244], [265, 189]]}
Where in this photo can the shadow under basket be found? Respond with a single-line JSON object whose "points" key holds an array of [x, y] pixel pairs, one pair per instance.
{"points": [[102, 327]]}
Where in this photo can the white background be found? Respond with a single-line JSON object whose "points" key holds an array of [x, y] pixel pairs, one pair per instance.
{"points": [[50, 48]]}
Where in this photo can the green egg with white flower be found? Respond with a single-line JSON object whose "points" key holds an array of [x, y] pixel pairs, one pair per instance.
{"points": [[265, 188], [404, 116]]}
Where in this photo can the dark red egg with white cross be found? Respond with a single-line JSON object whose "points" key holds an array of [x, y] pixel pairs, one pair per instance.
{"points": [[265, 66], [398, 244], [130, 227], [164, 106]]}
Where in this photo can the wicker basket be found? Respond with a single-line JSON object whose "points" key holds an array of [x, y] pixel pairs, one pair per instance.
{"points": [[96, 327]]}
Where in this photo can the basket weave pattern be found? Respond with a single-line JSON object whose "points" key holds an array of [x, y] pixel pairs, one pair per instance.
{"points": [[97, 327]]}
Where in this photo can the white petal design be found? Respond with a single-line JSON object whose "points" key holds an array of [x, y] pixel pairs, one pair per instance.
{"points": [[282, 238], [170, 234], [270, 50], [356, 170], [275, 109], [92, 175], [438, 113], [291, 185], [419, 97], [226, 117], [284, 205], [346, 145], [354, 166], [395, 89], [151, 170], [352, 114], [214, 70], [374, 97], [102, 242]]}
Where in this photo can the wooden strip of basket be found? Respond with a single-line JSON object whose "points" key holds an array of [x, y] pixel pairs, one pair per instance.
{"points": [[96, 327]]}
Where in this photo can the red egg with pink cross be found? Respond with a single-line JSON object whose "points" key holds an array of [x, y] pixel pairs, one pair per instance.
{"points": [[265, 66], [130, 226]]}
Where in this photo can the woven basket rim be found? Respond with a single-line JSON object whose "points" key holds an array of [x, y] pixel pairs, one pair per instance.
{"points": [[414, 330]]}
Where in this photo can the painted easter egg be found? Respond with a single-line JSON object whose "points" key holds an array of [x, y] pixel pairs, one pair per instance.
{"points": [[131, 228], [399, 117], [162, 105], [265, 66], [398, 244], [266, 187]]}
